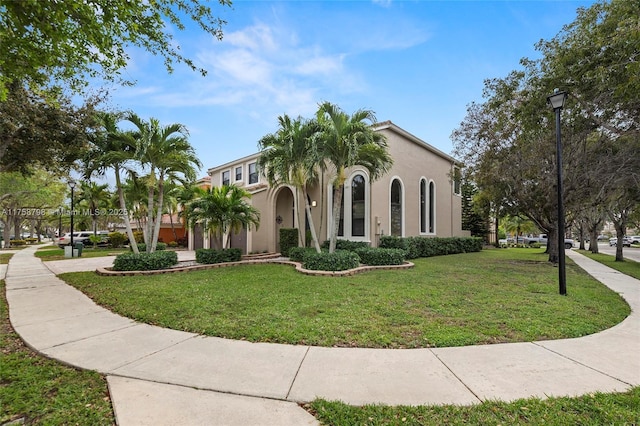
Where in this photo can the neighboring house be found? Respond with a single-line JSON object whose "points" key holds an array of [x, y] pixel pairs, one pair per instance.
{"points": [[419, 196]]}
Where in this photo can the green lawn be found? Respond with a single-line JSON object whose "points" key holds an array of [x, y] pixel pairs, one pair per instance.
{"points": [[628, 267], [4, 258], [42, 391], [55, 253], [593, 409], [493, 296]]}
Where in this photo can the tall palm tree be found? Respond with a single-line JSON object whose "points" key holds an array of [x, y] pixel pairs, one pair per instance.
{"points": [[166, 153], [290, 157], [97, 197], [112, 149], [349, 140], [223, 209]]}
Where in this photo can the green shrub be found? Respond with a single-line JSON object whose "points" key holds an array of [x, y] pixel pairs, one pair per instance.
{"points": [[347, 245], [415, 247], [210, 256], [172, 244], [288, 240], [18, 242], [297, 254], [31, 240], [117, 239], [142, 247], [145, 261], [138, 236], [338, 261], [381, 256]]}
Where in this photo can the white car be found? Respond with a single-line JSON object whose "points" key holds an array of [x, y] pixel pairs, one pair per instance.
{"points": [[634, 239], [78, 237], [626, 242]]}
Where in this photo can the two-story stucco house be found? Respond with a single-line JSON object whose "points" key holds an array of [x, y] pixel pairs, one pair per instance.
{"points": [[419, 196]]}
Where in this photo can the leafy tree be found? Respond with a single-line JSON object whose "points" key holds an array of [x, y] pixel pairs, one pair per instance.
{"points": [[223, 209], [475, 212], [290, 156], [26, 199], [45, 42], [37, 132], [345, 141], [167, 154]]}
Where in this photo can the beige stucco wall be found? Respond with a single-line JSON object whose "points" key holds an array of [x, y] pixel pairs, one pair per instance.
{"points": [[413, 160]]}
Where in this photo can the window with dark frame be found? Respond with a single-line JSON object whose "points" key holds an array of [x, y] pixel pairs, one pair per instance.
{"points": [[238, 173], [225, 178], [253, 173]]}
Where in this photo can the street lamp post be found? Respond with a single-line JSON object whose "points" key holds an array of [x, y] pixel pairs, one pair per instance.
{"points": [[72, 184], [557, 102]]}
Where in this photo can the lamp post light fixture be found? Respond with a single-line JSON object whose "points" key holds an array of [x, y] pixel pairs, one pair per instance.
{"points": [[72, 184], [557, 102]]}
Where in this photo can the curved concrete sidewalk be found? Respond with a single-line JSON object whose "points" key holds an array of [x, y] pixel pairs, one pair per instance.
{"points": [[157, 376]]}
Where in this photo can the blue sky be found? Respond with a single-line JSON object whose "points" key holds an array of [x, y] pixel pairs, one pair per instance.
{"points": [[416, 63]]}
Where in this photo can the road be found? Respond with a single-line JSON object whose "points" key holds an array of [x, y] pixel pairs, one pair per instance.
{"points": [[632, 253]]}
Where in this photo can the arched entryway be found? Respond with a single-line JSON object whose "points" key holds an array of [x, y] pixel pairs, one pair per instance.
{"points": [[285, 212]]}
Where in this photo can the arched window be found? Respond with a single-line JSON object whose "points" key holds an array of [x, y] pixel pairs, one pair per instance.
{"points": [[357, 206], [396, 207], [354, 208], [423, 206], [432, 207]]}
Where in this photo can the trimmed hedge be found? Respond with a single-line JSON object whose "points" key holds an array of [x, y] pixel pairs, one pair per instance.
{"points": [[297, 254], [288, 240], [142, 247], [347, 245], [415, 247], [210, 256], [381, 256], [145, 261], [337, 261]]}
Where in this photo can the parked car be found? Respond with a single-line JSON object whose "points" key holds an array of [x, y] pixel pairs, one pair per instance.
{"points": [[634, 239], [626, 242], [542, 240], [78, 237]]}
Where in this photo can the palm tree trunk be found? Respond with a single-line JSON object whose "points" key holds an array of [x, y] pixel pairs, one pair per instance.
{"points": [[149, 225], [123, 206], [302, 240], [312, 228], [337, 198], [156, 231]]}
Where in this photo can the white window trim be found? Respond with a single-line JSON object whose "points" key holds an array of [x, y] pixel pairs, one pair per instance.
{"points": [[435, 210], [423, 214], [347, 228], [249, 173], [242, 173], [402, 205], [222, 176]]}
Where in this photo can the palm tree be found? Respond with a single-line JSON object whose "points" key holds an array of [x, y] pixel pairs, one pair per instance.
{"points": [[166, 152], [223, 209], [349, 140], [97, 197], [289, 156], [112, 149], [519, 226]]}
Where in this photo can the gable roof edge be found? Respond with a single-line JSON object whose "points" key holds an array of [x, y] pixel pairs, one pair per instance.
{"points": [[389, 125]]}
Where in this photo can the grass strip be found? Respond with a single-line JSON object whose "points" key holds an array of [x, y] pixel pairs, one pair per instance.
{"points": [[628, 266], [494, 296], [54, 253], [592, 409], [38, 391]]}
